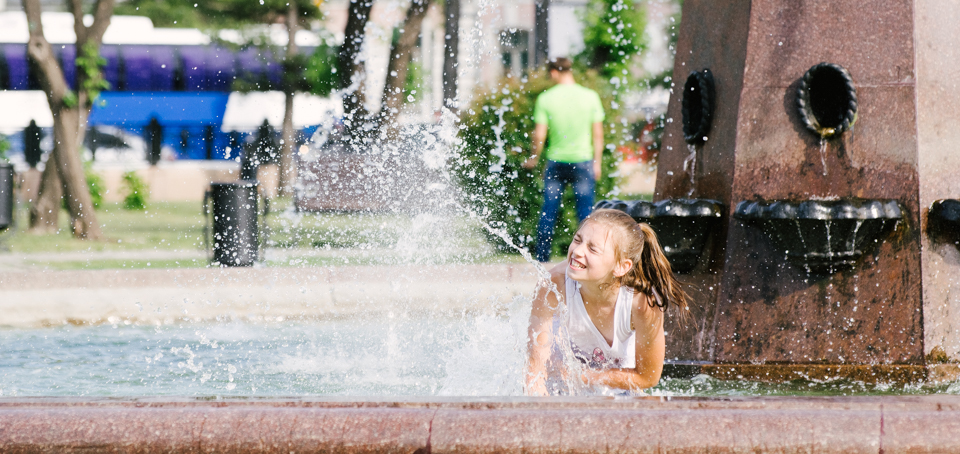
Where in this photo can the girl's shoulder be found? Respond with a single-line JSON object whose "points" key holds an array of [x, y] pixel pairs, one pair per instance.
{"points": [[644, 306]]}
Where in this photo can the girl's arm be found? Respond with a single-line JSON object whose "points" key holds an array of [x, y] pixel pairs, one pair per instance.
{"points": [[540, 334], [650, 350]]}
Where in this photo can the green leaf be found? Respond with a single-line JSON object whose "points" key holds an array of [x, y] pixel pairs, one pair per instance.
{"points": [[70, 99], [90, 64]]}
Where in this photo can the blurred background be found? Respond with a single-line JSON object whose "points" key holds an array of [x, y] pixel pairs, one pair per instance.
{"points": [[191, 91]]}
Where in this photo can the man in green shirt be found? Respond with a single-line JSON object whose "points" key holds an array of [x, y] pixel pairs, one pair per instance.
{"points": [[569, 118]]}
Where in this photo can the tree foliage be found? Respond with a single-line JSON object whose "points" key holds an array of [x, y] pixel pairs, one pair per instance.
{"points": [[496, 135], [168, 13], [91, 64], [4, 146], [613, 35], [213, 14], [321, 70]]}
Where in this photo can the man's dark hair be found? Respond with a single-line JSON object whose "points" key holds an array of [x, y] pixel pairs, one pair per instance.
{"points": [[560, 64]]}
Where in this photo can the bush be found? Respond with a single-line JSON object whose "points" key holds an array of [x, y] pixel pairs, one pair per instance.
{"points": [[496, 136], [4, 146], [613, 34], [94, 184], [135, 190]]}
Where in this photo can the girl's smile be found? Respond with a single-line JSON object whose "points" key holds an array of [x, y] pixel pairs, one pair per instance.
{"points": [[590, 256]]}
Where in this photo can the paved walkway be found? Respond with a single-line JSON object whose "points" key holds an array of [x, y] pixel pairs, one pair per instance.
{"points": [[19, 261], [51, 298]]}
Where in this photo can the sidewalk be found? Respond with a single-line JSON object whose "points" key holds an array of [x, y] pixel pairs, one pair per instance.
{"points": [[37, 261], [193, 258], [52, 298]]}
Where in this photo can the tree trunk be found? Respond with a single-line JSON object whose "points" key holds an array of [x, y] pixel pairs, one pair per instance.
{"points": [[399, 64], [70, 113], [350, 66], [451, 50], [541, 33], [45, 212], [288, 172], [66, 124]]}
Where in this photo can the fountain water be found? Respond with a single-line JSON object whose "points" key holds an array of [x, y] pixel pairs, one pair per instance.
{"points": [[698, 104]]}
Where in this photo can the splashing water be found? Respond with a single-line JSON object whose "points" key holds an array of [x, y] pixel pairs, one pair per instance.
{"points": [[498, 148], [567, 383], [823, 155], [803, 243], [853, 238], [690, 166]]}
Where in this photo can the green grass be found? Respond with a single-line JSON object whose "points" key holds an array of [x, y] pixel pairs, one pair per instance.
{"points": [[165, 231], [111, 264], [162, 226]]}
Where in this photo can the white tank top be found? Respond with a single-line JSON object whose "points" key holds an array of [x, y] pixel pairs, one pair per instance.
{"points": [[585, 339]]}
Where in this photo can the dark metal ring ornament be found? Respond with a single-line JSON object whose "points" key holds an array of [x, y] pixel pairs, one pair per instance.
{"points": [[697, 105], [827, 100]]}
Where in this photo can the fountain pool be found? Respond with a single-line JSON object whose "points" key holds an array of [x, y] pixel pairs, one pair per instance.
{"points": [[392, 356]]}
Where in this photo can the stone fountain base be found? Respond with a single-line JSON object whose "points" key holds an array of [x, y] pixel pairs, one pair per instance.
{"points": [[640, 425], [894, 374]]}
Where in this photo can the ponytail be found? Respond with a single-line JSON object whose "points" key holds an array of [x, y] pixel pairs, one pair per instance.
{"points": [[651, 273]]}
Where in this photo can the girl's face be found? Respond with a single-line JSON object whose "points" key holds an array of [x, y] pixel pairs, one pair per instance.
{"points": [[591, 255]]}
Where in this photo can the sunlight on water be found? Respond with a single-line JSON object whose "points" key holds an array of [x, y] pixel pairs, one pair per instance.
{"points": [[387, 355], [391, 354]]}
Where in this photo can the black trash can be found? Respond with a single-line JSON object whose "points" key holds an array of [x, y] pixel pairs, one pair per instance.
{"points": [[235, 231], [6, 196], [154, 131], [32, 136], [248, 167]]}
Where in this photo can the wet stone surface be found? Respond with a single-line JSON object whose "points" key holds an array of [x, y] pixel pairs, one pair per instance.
{"points": [[755, 305]]}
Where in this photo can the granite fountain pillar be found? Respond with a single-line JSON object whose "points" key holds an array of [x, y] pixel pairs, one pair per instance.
{"points": [[726, 28], [889, 308]]}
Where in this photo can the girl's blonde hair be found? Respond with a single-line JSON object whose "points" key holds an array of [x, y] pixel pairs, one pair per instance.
{"points": [[651, 273]]}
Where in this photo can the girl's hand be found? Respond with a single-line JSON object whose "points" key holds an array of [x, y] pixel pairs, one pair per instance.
{"points": [[535, 386], [540, 336]]}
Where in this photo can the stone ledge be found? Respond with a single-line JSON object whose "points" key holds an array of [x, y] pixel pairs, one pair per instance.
{"points": [[785, 425], [866, 373]]}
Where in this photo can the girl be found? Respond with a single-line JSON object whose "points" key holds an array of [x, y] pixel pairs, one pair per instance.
{"points": [[617, 283]]}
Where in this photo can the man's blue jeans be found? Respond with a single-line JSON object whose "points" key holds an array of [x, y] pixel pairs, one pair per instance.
{"points": [[555, 178]]}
